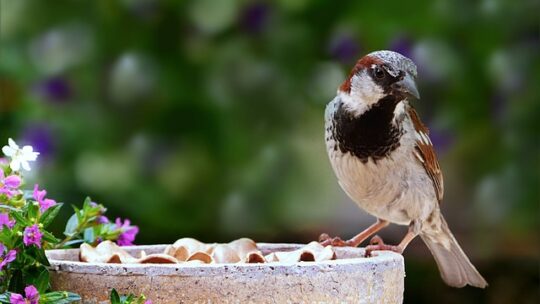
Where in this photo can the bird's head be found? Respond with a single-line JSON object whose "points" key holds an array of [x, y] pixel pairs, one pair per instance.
{"points": [[379, 75]]}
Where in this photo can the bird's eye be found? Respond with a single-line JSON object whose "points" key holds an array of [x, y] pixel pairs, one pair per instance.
{"points": [[378, 72]]}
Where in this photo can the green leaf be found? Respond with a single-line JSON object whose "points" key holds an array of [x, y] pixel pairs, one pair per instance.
{"points": [[39, 277], [6, 237], [73, 242], [115, 298], [48, 216], [16, 283], [18, 201], [71, 226], [4, 298], [20, 219], [141, 299], [38, 254], [128, 299], [9, 208], [86, 205], [33, 211], [59, 297], [78, 213], [49, 237], [89, 236]]}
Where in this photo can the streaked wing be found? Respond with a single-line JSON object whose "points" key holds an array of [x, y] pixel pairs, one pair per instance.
{"points": [[425, 153]]}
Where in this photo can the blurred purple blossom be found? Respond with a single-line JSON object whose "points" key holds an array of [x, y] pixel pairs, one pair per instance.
{"points": [[39, 196], [32, 236], [6, 258], [102, 219], [31, 293], [442, 140], [101, 209], [143, 9], [127, 236], [254, 17], [498, 107], [9, 184], [55, 89], [345, 48], [154, 159], [40, 137], [402, 45], [5, 221]]}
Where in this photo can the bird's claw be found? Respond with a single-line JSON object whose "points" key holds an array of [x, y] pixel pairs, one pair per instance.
{"points": [[377, 244], [376, 240], [323, 237], [325, 240]]}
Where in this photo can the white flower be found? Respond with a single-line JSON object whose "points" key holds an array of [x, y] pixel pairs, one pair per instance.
{"points": [[19, 157]]}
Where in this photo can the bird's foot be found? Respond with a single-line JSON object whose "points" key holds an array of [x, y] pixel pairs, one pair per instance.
{"points": [[377, 244], [325, 240]]}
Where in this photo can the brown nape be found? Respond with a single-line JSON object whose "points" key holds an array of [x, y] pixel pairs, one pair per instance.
{"points": [[363, 63]]}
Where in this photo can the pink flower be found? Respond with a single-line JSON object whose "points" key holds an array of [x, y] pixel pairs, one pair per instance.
{"points": [[5, 221], [39, 196], [9, 184], [6, 258], [148, 302], [32, 236], [127, 236], [32, 296]]}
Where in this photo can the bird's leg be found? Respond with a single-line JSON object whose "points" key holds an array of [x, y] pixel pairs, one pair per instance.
{"points": [[377, 243], [325, 239]]}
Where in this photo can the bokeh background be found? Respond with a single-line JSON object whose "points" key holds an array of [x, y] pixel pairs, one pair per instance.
{"points": [[205, 119]]}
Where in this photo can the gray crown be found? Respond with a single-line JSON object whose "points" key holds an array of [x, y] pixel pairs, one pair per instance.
{"points": [[396, 61]]}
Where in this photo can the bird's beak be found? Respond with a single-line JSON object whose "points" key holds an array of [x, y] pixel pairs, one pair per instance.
{"points": [[407, 86]]}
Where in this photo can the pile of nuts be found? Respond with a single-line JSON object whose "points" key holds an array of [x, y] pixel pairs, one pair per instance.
{"points": [[191, 251]]}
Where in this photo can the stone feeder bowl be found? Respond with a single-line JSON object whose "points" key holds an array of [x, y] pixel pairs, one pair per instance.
{"points": [[349, 278]]}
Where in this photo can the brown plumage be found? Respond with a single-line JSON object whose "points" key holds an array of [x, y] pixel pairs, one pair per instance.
{"points": [[360, 64], [426, 154]]}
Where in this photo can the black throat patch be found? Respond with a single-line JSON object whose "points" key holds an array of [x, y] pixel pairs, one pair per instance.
{"points": [[371, 134]]}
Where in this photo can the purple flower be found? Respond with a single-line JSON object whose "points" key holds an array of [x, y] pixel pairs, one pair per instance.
{"points": [[40, 136], [55, 89], [101, 208], [102, 219], [5, 221], [145, 10], [254, 17], [32, 236], [442, 140], [39, 196], [128, 233], [344, 47], [499, 106], [32, 296], [148, 302], [402, 45], [6, 258], [9, 184]]}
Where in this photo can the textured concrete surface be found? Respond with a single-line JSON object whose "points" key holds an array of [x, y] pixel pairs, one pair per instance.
{"points": [[349, 279]]}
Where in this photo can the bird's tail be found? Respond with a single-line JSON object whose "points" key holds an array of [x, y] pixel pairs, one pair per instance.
{"points": [[455, 268]]}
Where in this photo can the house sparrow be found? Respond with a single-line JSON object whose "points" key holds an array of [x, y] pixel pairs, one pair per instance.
{"points": [[384, 160]]}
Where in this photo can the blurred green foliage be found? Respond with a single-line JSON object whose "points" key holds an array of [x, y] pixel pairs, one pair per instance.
{"points": [[205, 118]]}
